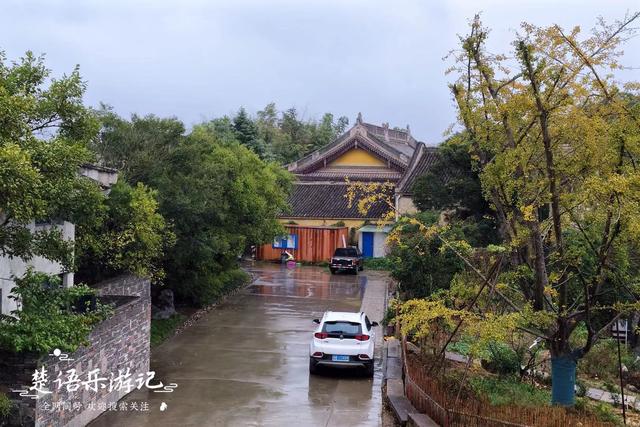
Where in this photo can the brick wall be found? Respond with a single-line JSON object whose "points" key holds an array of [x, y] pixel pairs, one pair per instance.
{"points": [[120, 342]]}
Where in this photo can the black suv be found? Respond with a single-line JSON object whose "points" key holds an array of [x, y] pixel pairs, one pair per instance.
{"points": [[346, 259]]}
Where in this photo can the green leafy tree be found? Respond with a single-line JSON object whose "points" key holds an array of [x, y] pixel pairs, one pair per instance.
{"points": [[222, 197], [452, 183], [287, 137], [45, 131], [136, 147], [247, 132], [419, 264], [218, 196], [127, 234]]}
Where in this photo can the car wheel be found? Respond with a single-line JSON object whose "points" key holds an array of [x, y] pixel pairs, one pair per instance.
{"points": [[333, 270], [355, 271], [369, 369], [313, 369]]}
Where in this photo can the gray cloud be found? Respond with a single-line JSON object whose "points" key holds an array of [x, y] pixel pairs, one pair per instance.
{"points": [[200, 59]]}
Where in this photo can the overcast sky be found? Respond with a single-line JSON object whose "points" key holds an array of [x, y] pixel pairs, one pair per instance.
{"points": [[198, 59]]}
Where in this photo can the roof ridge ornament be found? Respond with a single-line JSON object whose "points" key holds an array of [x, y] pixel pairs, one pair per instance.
{"points": [[359, 119], [385, 126]]}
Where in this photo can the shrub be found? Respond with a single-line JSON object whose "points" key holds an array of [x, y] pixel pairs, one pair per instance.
{"points": [[501, 360], [463, 346], [378, 263], [51, 317], [207, 288], [161, 329], [389, 314], [602, 360], [5, 406]]}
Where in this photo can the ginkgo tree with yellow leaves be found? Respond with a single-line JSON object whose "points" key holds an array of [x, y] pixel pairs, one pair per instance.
{"points": [[556, 141]]}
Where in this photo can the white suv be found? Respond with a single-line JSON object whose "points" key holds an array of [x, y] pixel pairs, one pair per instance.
{"points": [[342, 340]]}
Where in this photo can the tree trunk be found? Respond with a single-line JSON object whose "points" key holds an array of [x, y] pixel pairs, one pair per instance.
{"points": [[563, 380], [539, 266]]}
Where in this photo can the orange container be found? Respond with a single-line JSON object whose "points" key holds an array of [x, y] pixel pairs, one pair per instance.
{"points": [[314, 243]]}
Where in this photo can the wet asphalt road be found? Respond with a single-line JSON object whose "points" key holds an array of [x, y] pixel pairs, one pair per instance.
{"points": [[246, 362]]}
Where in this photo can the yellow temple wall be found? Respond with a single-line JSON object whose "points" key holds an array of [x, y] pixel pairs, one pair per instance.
{"points": [[357, 157]]}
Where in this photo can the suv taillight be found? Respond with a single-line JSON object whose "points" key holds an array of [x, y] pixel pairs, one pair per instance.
{"points": [[362, 337], [322, 335]]}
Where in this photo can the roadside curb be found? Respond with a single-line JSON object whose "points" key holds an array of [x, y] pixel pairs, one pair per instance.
{"points": [[403, 410]]}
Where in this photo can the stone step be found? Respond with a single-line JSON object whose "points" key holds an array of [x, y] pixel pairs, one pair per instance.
{"points": [[395, 387], [421, 420], [401, 408], [393, 348], [394, 368]]}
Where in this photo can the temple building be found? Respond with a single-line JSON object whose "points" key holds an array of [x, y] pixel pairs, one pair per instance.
{"points": [[365, 153]]}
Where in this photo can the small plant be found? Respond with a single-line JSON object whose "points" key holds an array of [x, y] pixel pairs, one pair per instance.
{"points": [[463, 346], [5, 406], [581, 404], [605, 413], [389, 315]]}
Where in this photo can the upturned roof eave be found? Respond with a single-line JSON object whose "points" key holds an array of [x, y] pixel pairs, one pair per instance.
{"points": [[358, 132]]}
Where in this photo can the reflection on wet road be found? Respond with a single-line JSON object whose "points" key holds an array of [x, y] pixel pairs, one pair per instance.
{"points": [[246, 362]]}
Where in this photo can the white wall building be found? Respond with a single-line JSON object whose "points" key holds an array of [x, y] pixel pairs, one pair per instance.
{"points": [[372, 241]]}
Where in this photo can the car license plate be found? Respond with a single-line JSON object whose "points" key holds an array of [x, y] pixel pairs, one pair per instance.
{"points": [[339, 358]]}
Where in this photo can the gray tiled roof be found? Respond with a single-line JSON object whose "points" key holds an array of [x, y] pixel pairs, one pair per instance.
{"points": [[424, 158], [327, 201]]}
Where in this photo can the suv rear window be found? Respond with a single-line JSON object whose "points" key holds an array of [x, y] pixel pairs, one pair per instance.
{"points": [[351, 252], [344, 328]]}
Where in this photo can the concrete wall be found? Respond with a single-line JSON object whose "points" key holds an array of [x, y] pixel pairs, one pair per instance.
{"points": [[105, 177], [379, 245], [16, 267], [404, 205], [120, 342]]}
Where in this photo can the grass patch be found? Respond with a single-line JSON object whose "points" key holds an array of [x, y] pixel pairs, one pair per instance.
{"points": [[508, 391], [5, 406], [161, 329], [377, 263]]}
